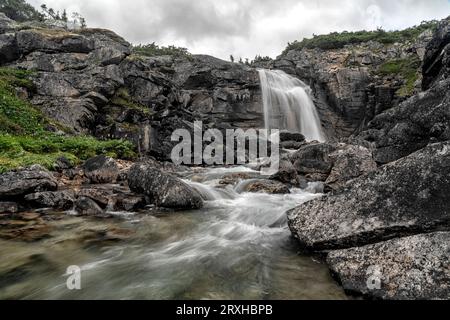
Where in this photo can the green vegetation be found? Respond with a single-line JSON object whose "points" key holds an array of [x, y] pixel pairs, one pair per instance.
{"points": [[337, 40], [25, 140], [123, 98], [152, 49], [20, 10], [406, 68]]}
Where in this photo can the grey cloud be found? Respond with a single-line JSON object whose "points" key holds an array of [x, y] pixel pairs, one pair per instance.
{"points": [[246, 27]]}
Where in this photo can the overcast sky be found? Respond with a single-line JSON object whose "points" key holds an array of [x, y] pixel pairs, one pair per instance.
{"points": [[245, 28]]}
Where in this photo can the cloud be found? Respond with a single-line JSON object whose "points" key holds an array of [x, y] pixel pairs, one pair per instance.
{"points": [[245, 28]]}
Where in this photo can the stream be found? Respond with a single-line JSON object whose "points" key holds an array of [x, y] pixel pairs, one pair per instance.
{"points": [[237, 247]]}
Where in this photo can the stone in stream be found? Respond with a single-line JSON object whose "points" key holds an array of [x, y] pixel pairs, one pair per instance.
{"points": [[286, 173], [265, 186], [87, 207], [406, 197], [164, 189], [9, 207], [24, 181], [415, 267], [58, 200], [101, 169], [313, 158]]}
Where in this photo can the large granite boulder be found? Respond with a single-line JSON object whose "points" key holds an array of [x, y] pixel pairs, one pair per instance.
{"points": [[101, 169], [349, 162], [411, 268], [405, 197], [25, 181], [313, 158], [164, 190]]}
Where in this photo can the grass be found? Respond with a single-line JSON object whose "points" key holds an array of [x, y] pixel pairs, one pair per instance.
{"points": [[339, 40], [25, 140], [407, 68]]}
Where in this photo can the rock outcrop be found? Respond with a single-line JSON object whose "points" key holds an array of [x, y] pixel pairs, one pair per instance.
{"points": [[101, 169], [405, 197], [163, 189], [25, 181], [410, 268]]}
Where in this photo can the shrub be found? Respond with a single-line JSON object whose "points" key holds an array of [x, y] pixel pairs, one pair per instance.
{"points": [[152, 49]]}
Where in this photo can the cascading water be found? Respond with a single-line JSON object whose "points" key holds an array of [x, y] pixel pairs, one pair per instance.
{"points": [[288, 105]]}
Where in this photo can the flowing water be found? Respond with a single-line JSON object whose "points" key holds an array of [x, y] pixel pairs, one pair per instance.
{"points": [[288, 105], [237, 247]]}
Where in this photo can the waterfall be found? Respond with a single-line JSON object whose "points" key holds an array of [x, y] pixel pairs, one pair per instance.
{"points": [[288, 105]]}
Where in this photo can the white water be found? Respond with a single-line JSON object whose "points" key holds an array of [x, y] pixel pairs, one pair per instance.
{"points": [[288, 105], [237, 247]]}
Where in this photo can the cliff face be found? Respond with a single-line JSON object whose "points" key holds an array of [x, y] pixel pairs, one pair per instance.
{"points": [[90, 82], [353, 84]]}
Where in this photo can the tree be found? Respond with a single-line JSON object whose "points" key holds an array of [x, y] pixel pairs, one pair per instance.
{"points": [[19, 10], [231, 58], [240, 60]]}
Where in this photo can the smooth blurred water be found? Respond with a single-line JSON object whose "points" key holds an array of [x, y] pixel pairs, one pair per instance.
{"points": [[237, 247], [288, 105]]}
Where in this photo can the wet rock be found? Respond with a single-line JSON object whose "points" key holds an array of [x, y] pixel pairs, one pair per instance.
{"points": [[101, 169], [291, 145], [405, 197], [103, 196], [349, 162], [265, 186], [58, 200], [410, 268], [25, 181], [286, 173], [9, 207], [234, 178], [29, 228], [88, 207], [129, 202], [291, 136], [313, 158], [164, 189]]}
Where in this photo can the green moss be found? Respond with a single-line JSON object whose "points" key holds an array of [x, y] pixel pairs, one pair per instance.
{"points": [[407, 68], [24, 139], [18, 151], [337, 40], [123, 98]]}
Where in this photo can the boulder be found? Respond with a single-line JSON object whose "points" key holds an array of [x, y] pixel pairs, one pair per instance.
{"points": [[286, 173], [88, 207], [9, 207], [410, 268], [313, 158], [164, 189], [403, 198], [101, 169], [24, 181], [58, 200], [263, 186], [291, 136], [349, 162]]}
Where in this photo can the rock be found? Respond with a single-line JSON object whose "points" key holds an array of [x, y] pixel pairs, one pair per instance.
{"points": [[313, 158], [286, 173], [291, 145], [8, 48], [164, 189], [25, 181], [129, 202], [349, 162], [102, 196], [6, 24], [436, 64], [8, 207], [264, 186], [88, 207], [101, 169], [409, 127], [58, 200], [234, 178], [410, 268], [405, 197], [291, 136]]}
